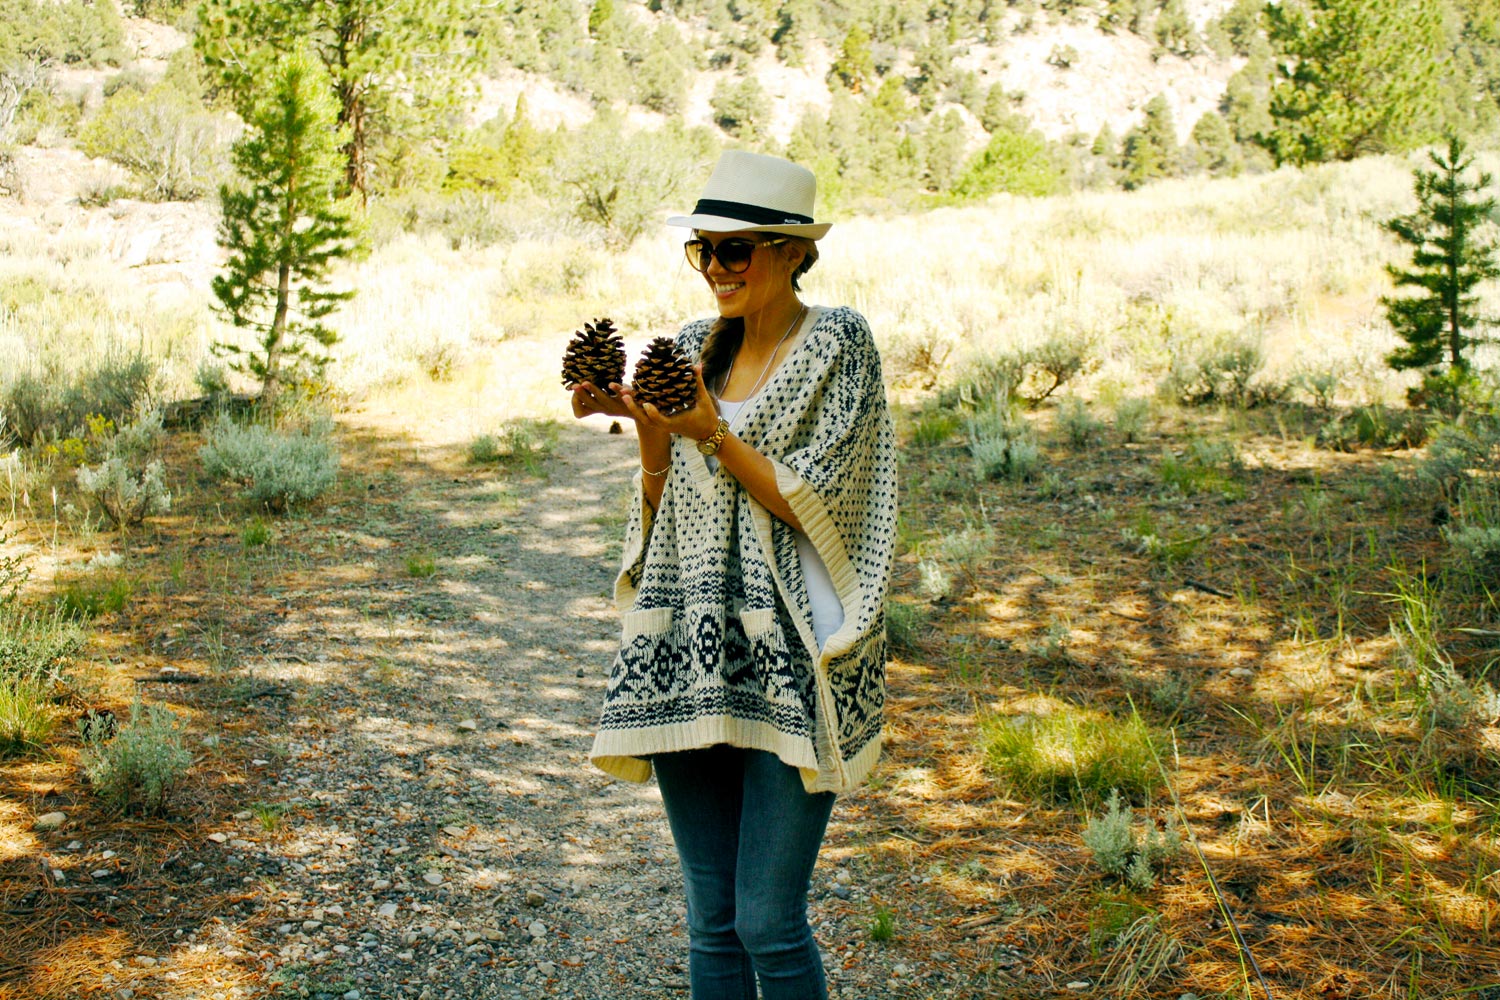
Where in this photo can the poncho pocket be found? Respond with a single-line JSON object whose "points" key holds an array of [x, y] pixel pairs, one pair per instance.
{"points": [[643, 670]]}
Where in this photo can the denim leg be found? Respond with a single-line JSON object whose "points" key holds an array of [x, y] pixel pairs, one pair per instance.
{"points": [[781, 829], [702, 791]]}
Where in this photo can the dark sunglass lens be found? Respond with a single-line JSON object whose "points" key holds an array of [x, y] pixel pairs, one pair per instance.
{"points": [[698, 254], [735, 254]]}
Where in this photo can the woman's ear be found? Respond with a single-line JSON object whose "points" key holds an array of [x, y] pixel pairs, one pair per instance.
{"points": [[793, 254]]}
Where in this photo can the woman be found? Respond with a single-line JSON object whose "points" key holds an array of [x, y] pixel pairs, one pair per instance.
{"points": [[751, 675]]}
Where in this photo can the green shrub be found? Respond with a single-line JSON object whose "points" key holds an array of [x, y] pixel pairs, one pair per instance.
{"points": [[1118, 850], [882, 924], [1221, 369], [71, 31], [1131, 417], [525, 442], [13, 574], [1015, 161], [96, 595], [127, 498], [275, 470], [421, 566], [54, 404], [934, 428], [169, 142], [27, 717], [1072, 754], [1374, 426], [1078, 425], [904, 624], [37, 644], [139, 768]]}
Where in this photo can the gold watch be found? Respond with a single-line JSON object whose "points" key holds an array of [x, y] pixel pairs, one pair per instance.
{"points": [[710, 445]]}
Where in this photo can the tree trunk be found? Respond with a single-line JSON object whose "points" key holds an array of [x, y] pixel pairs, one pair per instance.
{"points": [[274, 339]]}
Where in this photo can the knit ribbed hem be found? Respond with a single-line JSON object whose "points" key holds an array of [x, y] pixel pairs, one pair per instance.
{"points": [[635, 548], [620, 752], [820, 529], [856, 770]]}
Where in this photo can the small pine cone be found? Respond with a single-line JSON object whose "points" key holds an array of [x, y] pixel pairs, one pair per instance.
{"points": [[595, 354], [664, 377]]}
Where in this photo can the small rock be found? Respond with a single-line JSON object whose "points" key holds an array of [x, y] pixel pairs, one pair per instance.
{"points": [[842, 876], [107, 855], [219, 838], [334, 910], [387, 910], [286, 928], [1081, 984], [537, 929], [841, 891], [454, 831], [1242, 672], [243, 815], [352, 995], [534, 898], [580, 672], [546, 968], [432, 878], [310, 926], [472, 937], [380, 884], [50, 821], [100, 873], [124, 993], [469, 726], [901, 969], [145, 961], [58, 875], [74, 845], [241, 845], [1188, 996], [259, 761], [491, 934]]}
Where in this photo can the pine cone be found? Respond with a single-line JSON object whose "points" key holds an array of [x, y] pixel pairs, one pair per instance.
{"points": [[595, 354], [664, 377]]}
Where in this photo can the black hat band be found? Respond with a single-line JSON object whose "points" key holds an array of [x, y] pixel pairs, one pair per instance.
{"points": [[754, 214]]}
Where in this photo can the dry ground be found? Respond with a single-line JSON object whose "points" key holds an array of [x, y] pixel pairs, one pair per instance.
{"points": [[1355, 867]]}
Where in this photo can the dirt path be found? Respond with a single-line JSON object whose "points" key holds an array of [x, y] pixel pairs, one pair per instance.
{"points": [[440, 831]]}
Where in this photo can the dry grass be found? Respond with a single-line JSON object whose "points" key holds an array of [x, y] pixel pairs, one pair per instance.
{"points": [[1357, 859]]}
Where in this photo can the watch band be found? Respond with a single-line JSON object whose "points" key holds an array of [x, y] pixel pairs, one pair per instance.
{"points": [[710, 445]]}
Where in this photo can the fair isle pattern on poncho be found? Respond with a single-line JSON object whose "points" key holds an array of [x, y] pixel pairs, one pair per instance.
{"points": [[717, 637]]}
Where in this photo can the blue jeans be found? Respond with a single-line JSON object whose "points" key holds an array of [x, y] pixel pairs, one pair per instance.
{"points": [[747, 835]]}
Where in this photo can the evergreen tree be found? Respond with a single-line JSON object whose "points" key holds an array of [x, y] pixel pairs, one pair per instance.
{"points": [[943, 150], [283, 228], [855, 66], [1213, 145], [392, 64], [1151, 151], [1354, 77], [1449, 260]]}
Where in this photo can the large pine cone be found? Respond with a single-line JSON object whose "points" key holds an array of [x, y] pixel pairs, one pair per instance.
{"points": [[595, 354], [664, 377]]}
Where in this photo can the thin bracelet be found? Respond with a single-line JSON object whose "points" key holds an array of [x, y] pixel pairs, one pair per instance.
{"points": [[663, 472]]}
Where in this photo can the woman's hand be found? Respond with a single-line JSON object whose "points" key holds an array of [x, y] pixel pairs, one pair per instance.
{"points": [[698, 421], [589, 399]]}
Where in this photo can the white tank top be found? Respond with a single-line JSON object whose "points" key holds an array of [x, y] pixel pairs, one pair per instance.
{"points": [[827, 611]]}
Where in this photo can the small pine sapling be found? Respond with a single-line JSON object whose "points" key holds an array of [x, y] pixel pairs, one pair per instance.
{"points": [[1450, 259], [284, 229]]}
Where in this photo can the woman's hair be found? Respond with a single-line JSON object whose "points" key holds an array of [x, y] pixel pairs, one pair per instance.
{"points": [[724, 337]]}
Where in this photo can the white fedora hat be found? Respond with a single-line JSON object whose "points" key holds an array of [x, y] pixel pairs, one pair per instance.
{"points": [[749, 192]]}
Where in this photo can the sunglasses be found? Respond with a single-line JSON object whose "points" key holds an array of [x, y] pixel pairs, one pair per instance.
{"points": [[734, 254]]}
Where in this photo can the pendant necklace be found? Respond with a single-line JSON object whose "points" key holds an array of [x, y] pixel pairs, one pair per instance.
{"points": [[796, 321]]}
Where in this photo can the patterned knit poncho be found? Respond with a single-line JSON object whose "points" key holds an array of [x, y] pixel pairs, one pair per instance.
{"points": [[718, 643]]}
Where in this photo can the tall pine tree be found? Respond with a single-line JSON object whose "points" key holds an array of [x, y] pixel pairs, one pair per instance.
{"points": [[1449, 260], [1354, 77], [394, 66], [283, 228]]}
